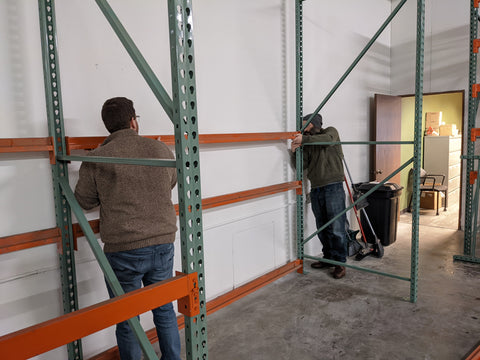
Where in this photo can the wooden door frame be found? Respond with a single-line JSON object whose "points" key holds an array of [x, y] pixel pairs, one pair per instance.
{"points": [[464, 126], [392, 134]]}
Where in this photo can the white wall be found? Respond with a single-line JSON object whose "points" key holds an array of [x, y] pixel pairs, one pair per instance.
{"points": [[245, 62], [446, 44], [335, 33]]}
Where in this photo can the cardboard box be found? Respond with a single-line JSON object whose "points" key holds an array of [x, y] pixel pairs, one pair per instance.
{"points": [[448, 130], [433, 120], [428, 200]]}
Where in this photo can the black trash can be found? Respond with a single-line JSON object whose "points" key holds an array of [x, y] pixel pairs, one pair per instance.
{"points": [[383, 211]]}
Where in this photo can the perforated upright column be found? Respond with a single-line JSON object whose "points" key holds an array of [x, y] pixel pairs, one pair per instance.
{"points": [[188, 165], [59, 169], [299, 111], [471, 188], [417, 147], [470, 214]]}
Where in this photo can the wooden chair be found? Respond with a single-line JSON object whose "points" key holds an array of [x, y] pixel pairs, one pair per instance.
{"points": [[432, 182]]}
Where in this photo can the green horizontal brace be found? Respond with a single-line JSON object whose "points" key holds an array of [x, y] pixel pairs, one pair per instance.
{"points": [[333, 262], [105, 266], [362, 143], [466, 157], [471, 259], [115, 160], [137, 57], [364, 196], [355, 62]]}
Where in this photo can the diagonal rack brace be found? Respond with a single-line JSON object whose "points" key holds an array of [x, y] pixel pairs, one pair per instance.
{"points": [[110, 276], [360, 199], [333, 262], [355, 62], [137, 57]]}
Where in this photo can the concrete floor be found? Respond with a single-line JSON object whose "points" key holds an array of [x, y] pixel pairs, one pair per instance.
{"points": [[363, 316]]}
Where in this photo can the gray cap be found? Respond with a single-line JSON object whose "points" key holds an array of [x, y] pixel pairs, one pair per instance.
{"points": [[316, 121]]}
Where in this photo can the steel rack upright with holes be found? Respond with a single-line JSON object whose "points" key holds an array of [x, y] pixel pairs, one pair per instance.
{"points": [[416, 141], [183, 113], [473, 185]]}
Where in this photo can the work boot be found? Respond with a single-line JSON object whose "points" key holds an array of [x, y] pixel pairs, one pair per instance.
{"points": [[321, 265], [339, 272]]}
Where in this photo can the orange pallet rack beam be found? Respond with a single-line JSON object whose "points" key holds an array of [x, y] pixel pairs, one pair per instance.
{"points": [[86, 143], [219, 302], [46, 336], [29, 240], [15, 145], [51, 236]]}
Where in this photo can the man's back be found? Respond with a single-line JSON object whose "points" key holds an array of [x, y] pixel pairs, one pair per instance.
{"points": [[135, 201]]}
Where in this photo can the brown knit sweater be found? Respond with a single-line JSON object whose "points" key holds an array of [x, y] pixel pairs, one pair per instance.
{"points": [[136, 209]]}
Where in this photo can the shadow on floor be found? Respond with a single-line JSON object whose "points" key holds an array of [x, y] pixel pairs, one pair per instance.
{"points": [[364, 315]]}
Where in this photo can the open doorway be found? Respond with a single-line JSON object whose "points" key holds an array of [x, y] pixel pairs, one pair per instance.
{"points": [[439, 154], [447, 158]]}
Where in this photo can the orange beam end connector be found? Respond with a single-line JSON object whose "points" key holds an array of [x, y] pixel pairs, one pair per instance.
{"points": [[189, 305], [475, 3], [299, 264], [299, 190], [476, 45], [474, 134], [475, 90], [473, 177]]}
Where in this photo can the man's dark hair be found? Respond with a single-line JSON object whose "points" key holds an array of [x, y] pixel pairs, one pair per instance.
{"points": [[117, 113]]}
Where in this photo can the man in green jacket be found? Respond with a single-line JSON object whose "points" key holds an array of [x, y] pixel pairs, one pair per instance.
{"points": [[324, 165], [137, 218]]}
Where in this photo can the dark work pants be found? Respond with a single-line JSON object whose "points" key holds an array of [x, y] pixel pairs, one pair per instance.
{"points": [[327, 202]]}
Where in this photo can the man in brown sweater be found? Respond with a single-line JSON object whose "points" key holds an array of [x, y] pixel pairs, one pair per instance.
{"points": [[137, 218]]}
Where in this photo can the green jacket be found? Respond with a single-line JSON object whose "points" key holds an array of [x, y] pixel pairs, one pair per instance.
{"points": [[324, 163]]}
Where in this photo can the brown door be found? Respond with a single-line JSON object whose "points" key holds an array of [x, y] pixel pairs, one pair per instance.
{"points": [[388, 124]]}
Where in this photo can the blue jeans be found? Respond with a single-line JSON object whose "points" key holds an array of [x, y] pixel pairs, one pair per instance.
{"points": [[146, 265], [327, 202]]}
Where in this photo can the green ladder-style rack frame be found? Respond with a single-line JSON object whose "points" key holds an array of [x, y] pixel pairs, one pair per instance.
{"points": [[417, 143], [472, 187], [182, 110]]}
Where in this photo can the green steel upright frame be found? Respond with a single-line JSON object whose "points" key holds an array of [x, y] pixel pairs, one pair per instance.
{"points": [[472, 190], [59, 169], [188, 165], [417, 143], [417, 147], [182, 110], [299, 112]]}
